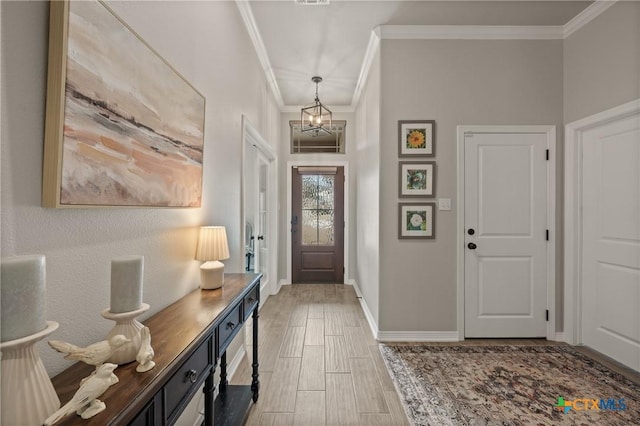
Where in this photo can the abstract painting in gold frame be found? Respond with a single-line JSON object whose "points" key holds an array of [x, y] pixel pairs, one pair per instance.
{"points": [[123, 128]]}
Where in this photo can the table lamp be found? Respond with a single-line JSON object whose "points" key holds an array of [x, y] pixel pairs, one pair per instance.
{"points": [[212, 247]]}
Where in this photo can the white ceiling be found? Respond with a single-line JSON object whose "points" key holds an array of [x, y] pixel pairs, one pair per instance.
{"points": [[331, 41]]}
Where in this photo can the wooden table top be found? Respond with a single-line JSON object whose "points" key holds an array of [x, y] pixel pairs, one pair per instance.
{"points": [[174, 332]]}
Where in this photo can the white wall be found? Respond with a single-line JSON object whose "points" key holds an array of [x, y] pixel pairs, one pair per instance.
{"points": [[207, 43], [367, 179], [453, 82], [285, 155]]}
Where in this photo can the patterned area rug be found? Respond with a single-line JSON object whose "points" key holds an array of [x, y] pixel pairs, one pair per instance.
{"points": [[509, 385]]}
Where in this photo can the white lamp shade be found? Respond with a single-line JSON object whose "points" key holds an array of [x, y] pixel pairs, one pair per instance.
{"points": [[212, 244]]}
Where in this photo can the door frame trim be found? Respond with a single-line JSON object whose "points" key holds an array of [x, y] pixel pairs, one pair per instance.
{"points": [[345, 166], [573, 213], [550, 132], [251, 136]]}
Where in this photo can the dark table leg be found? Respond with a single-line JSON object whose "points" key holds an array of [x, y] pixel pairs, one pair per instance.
{"points": [[255, 384], [223, 373], [209, 388]]}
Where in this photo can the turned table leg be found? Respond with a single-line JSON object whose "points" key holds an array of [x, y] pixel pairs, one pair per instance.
{"points": [[255, 384]]}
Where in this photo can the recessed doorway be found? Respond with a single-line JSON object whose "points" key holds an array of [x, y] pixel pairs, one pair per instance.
{"points": [[317, 224]]}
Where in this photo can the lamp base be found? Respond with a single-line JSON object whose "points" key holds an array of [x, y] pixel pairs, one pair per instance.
{"points": [[211, 275]]}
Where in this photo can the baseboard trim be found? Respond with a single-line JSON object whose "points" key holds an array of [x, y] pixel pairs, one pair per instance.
{"points": [[418, 336], [365, 308], [558, 336], [199, 421], [235, 362], [280, 284]]}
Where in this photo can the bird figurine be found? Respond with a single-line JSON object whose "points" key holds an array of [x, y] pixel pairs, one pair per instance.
{"points": [[94, 354], [85, 401], [145, 353]]}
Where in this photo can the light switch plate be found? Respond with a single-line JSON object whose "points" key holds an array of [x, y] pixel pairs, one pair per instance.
{"points": [[444, 203]]}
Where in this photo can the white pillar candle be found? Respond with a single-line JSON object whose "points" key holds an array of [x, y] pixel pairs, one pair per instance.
{"points": [[126, 283], [23, 294]]}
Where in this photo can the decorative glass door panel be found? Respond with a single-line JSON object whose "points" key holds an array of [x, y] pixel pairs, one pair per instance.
{"points": [[317, 224], [318, 209]]}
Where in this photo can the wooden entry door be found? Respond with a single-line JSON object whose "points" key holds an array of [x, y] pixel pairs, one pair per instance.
{"points": [[505, 234], [317, 225]]}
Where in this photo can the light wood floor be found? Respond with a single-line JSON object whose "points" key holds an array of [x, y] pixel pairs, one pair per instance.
{"points": [[319, 363]]}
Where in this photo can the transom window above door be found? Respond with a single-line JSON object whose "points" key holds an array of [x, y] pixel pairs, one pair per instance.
{"points": [[318, 143]]}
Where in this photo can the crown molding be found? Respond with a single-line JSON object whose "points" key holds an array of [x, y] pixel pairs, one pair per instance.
{"points": [[421, 32], [252, 28], [372, 48], [586, 16], [471, 32]]}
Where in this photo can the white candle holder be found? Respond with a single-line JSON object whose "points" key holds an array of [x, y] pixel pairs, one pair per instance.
{"points": [[28, 397], [127, 325]]}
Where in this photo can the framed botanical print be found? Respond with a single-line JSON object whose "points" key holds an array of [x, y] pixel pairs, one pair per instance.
{"points": [[416, 220], [416, 138], [417, 178]]}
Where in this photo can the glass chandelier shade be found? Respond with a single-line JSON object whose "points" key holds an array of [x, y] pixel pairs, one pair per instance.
{"points": [[316, 118]]}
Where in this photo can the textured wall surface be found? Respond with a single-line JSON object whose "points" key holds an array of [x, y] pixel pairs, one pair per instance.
{"points": [[454, 82], [602, 62], [208, 44]]}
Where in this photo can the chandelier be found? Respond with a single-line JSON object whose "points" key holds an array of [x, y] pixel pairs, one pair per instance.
{"points": [[316, 118]]}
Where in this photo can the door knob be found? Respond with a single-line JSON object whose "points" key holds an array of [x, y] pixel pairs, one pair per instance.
{"points": [[260, 237], [471, 246], [471, 231]]}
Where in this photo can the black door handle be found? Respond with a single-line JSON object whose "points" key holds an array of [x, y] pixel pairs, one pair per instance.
{"points": [[472, 246], [260, 237]]}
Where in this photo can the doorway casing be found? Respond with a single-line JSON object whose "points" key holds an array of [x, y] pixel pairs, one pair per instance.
{"points": [[573, 214], [550, 132], [252, 138], [323, 163]]}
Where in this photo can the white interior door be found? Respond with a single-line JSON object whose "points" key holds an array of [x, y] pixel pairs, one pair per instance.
{"points": [[505, 216], [259, 206], [611, 240], [261, 248]]}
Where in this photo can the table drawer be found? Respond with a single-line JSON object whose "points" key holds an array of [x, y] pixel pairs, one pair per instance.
{"points": [[250, 300], [228, 328], [187, 379]]}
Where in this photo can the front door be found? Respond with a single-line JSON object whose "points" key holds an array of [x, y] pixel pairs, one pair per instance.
{"points": [[505, 234], [317, 225]]}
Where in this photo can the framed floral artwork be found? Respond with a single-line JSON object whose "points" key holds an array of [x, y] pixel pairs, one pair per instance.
{"points": [[416, 138], [417, 178], [416, 220]]}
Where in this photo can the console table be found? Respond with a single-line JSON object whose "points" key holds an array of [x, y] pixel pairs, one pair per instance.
{"points": [[189, 338]]}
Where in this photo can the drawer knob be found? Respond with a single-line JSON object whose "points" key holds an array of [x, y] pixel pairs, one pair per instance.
{"points": [[231, 325], [192, 376]]}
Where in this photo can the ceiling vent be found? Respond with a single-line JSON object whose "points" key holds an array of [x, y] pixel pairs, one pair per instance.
{"points": [[313, 2]]}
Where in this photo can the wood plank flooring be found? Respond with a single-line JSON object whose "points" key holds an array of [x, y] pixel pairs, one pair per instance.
{"points": [[319, 363]]}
